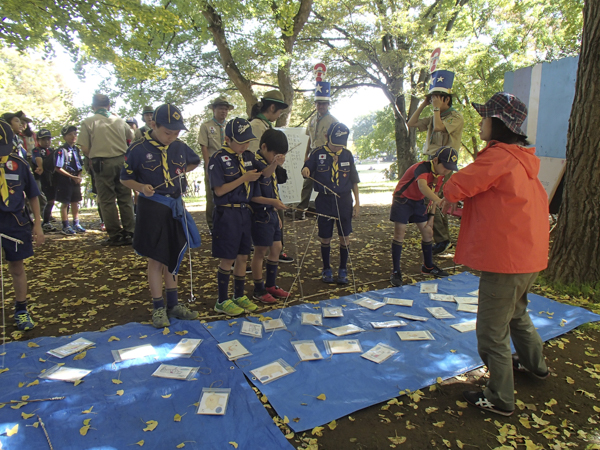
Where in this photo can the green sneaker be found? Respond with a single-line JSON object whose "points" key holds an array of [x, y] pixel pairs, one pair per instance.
{"points": [[24, 321], [246, 303], [160, 319], [229, 308], [181, 312]]}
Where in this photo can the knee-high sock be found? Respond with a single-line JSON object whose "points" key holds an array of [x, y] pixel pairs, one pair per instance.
{"points": [[427, 248], [344, 251], [239, 284], [325, 252], [223, 282], [171, 297], [272, 267], [396, 255]]}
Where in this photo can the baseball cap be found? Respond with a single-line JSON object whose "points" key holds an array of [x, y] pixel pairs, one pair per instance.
{"points": [[338, 134], [448, 157], [169, 116], [506, 107], [239, 130], [147, 109], [131, 120], [275, 96], [66, 130], [43, 133], [6, 137]]}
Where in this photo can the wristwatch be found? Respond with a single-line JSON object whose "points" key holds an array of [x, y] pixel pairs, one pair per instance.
{"points": [[436, 109]]}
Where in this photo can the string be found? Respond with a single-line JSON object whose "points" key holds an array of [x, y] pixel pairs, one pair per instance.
{"points": [[187, 238], [337, 206]]}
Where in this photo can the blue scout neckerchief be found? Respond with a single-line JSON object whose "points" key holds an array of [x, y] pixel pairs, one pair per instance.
{"points": [[165, 162], [261, 158], [221, 129], [242, 167], [72, 155], [335, 175]]}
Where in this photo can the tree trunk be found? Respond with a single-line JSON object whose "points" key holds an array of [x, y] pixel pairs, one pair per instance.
{"points": [[575, 252]]}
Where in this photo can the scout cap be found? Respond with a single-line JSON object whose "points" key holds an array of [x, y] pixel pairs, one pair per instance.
{"points": [[100, 101], [43, 133], [131, 120], [169, 116], [147, 109], [66, 130], [506, 107], [221, 101], [275, 96], [448, 157], [338, 134], [239, 130], [6, 137]]}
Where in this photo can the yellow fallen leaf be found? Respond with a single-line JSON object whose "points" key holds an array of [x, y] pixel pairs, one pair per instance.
{"points": [[32, 345], [439, 424], [114, 338], [26, 416], [83, 430], [144, 336], [439, 380], [459, 444], [36, 424], [19, 405], [461, 404], [317, 431], [235, 444], [80, 356], [120, 392], [166, 396], [41, 360], [21, 383], [177, 418], [397, 439], [570, 380], [33, 383], [181, 333], [551, 402], [321, 397], [24, 398], [351, 419], [77, 382], [181, 445], [87, 411], [289, 436], [87, 421], [166, 331], [23, 356], [447, 443], [525, 422], [13, 430], [116, 381], [6, 369], [152, 424], [285, 419], [332, 425], [140, 443], [264, 399], [431, 409]]}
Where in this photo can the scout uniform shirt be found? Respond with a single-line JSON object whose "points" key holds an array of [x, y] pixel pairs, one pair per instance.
{"points": [[317, 129], [259, 125], [454, 123], [265, 186], [149, 162], [226, 166], [105, 137], [15, 178], [407, 187], [339, 176], [45, 154], [212, 136], [69, 158]]}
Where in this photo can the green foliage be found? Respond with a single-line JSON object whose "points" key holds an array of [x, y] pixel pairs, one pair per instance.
{"points": [[573, 293], [374, 135]]}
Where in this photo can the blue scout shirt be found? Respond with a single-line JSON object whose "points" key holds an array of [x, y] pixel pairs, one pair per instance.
{"points": [[265, 186], [144, 164], [224, 167], [43, 153], [340, 178], [68, 158], [19, 179]]}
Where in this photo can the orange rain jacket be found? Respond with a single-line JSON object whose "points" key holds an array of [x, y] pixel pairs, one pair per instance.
{"points": [[504, 227]]}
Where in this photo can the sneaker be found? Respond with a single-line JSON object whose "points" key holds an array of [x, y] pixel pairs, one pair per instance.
{"points": [[284, 258], [517, 366], [246, 303], [441, 247], [342, 277], [477, 399], [277, 292], [102, 227], [327, 276], [48, 227], [181, 312], [24, 321], [435, 271], [160, 318], [127, 237], [396, 279], [229, 308], [79, 229], [68, 231], [52, 219], [264, 297], [115, 241]]}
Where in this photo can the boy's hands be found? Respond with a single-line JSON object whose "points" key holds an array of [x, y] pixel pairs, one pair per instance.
{"points": [[38, 234], [39, 170], [426, 100], [78, 180], [448, 207], [355, 211], [148, 190], [251, 175], [305, 172], [278, 204], [279, 160]]}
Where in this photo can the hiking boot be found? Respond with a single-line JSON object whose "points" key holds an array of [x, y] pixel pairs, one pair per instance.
{"points": [[229, 308], [327, 276], [441, 247], [24, 321], [435, 271], [477, 399], [79, 229], [284, 258], [396, 279], [246, 303], [517, 366], [342, 277], [277, 292], [264, 297], [181, 312], [160, 318], [68, 231], [48, 227]]}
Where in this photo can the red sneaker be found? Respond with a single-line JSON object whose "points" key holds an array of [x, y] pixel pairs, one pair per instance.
{"points": [[277, 292], [264, 297]]}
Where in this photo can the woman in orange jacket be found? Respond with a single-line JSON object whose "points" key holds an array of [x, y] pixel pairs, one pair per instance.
{"points": [[504, 234]]}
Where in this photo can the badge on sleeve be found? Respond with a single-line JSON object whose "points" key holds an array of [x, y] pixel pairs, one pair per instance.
{"points": [[11, 165], [226, 158], [323, 156]]}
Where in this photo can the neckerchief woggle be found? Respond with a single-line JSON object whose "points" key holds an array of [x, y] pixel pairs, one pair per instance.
{"points": [[335, 173], [165, 162], [242, 167]]}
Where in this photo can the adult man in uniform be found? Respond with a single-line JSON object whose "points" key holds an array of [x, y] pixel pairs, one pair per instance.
{"points": [[103, 138], [211, 139], [147, 113]]}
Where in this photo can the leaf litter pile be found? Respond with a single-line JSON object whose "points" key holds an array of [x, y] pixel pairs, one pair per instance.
{"points": [[77, 285]]}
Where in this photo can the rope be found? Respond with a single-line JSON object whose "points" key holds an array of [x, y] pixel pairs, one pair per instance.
{"points": [[187, 234], [337, 206]]}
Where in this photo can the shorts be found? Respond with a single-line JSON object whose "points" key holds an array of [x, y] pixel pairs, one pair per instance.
{"points": [[404, 210], [327, 204], [67, 191], [232, 231], [48, 188], [265, 227], [18, 226]]}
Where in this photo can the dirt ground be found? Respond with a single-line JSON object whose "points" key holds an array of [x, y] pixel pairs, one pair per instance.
{"points": [[77, 285]]}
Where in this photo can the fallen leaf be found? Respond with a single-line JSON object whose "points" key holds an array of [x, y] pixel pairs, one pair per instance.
{"points": [[332, 425], [87, 421], [114, 338], [431, 409], [116, 381], [318, 431], [80, 356], [181, 445], [397, 439], [23, 356], [447, 443], [87, 411], [177, 418], [32, 345], [264, 399], [461, 404], [120, 392], [140, 443], [26, 416], [235, 444], [83, 430], [166, 396], [439, 424], [285, 419], [351, 419], [459, 444], [6, 369], [19, 405], [41, 360], [36, 424], [166, 331], [289, 436], [321, 397], [13, 430], [152, 424], [570, 380], [25, 398], [181, 333], [33, 383], [77, 382]]}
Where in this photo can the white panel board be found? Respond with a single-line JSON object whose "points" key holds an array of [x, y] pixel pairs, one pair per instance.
{"points": [[290, 192], [551, 172]]}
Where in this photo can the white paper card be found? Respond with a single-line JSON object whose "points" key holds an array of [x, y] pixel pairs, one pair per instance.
{"points": [[343, 346], [398, 301], [467, 300], [440, 313], [251, 329], [345, 330], [312, 319], [412, 317], [274, 325], [213, 401], [442, 297], [307, 350], [333, 311], [139, 351], [467, 308], [175, 372], [185, 347], [423, 335], [429, 288], [233, 349], [272, 371], [465, 326], [72, 347], [475, 293], [64, 373], [389, 324], [379, 353], [369, 303]]}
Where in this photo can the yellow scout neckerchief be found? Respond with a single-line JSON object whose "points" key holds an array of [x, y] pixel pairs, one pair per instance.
{"points": [[3, 185], [242, 167], [165, 162], [260, 158], [335, 174]]}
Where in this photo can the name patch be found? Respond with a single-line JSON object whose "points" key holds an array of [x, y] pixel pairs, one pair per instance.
{"points": [[247, 163], [12, 176], [347, 163]]}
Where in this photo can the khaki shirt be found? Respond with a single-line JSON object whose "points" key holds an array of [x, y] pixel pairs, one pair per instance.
{"points": [[139, 133], [212, 136], [454, 124], [317, 130], [105, 137], [258, 128]]}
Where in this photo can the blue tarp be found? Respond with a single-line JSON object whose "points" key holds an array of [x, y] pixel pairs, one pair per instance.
{"points": [[350, 382], [117, 422]]}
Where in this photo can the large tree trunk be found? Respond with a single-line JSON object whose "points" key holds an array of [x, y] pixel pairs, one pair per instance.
{"points": [[575, 252]]}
